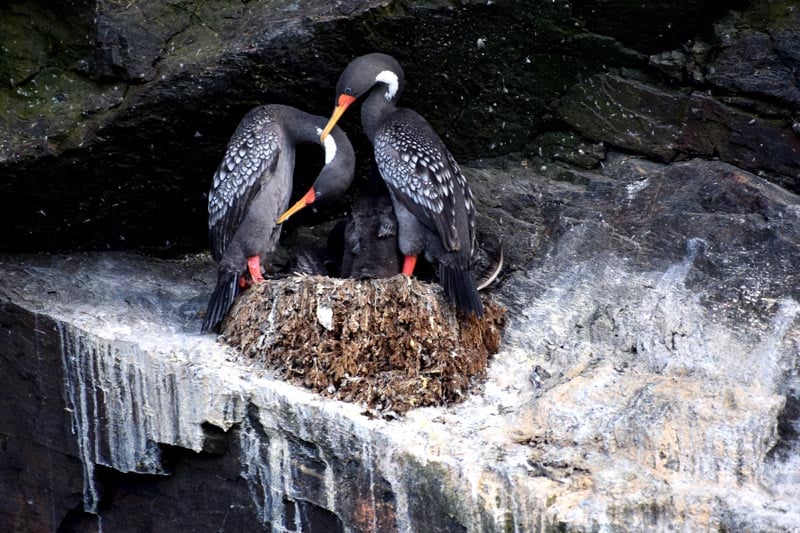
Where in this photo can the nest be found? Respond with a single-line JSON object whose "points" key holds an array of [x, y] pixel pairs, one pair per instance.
{"points": [[392, 343]]}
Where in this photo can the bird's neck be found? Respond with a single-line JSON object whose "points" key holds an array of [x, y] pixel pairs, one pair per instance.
{"points": [[374, 109], [303, 127]]}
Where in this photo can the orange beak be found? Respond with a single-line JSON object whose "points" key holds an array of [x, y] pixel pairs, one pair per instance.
{"points": [[344, 102], [308, 199]]}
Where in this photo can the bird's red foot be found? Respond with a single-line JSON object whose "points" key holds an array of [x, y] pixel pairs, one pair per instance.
{"points": [[243, 283], [408, 264], [254, 266]]}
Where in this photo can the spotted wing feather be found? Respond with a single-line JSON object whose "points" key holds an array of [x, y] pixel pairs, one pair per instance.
{"points": [[469, 200], [250, 160], [419, 170]]}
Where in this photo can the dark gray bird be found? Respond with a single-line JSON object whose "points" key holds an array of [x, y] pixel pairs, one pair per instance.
{"points": [[252, 187], [433, 203], [362, 245], [370, 240]]}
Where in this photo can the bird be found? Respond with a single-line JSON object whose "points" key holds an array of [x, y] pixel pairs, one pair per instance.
{"points": [[362, 245], [253, 185], [369, 235], [433, 203]]}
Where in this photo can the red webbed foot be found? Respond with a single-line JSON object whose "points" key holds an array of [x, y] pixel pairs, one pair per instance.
{"points": [[254, 267], [408, 264]]}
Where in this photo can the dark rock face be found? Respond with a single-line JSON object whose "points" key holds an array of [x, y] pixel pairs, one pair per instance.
{"points": [[651, 350], [650, 27], [51, 496], [767, 36], [600, 108], [117, 113], [669, 124], [639, 161], [157, 101], [754, 143], [34, 499]]}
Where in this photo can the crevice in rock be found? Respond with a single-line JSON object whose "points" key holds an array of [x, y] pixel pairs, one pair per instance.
{"points": [[302, 515], [168, 41], [788, 427], [215, 439], [79, 521], [28, 79]]}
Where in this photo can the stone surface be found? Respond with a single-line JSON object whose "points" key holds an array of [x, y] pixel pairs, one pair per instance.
{"points": [[649, 27], [116, 113], [647, 380], [667, 124], [123, 134], [627, 113], [768, 35], [714, 129], [649, 376]]}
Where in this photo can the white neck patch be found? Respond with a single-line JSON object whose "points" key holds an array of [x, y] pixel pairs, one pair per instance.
{"points": [[392, 83], [330, 147]]}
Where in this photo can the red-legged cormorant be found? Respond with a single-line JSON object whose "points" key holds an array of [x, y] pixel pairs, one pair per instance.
{"points": [[252, 187], [434, 206]]}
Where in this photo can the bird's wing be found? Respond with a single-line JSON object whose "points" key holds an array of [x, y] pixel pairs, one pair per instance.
{"points": [[419, 170], [250, 159], [469, 200]]}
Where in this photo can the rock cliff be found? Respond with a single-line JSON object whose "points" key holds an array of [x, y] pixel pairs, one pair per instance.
{"points": [[639, 162]]}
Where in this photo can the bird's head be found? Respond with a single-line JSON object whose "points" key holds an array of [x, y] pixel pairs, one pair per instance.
{"points": [[359, 77], [334, 178]]}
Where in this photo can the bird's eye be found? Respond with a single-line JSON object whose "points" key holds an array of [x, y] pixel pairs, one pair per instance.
{"points": [[348, 91]]}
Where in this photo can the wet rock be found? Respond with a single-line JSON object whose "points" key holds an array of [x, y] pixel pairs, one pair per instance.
{"points": [[685, 64], [630, 114], [673, 63], [646, 379], [669, 125], [570, 148], [33, 500], [671, 352], [648, 27], [752, 59], [143, 110], [131, 40], [34, 38], [766, 74], [511, 213], [759, 53], [124, 129], [670, 236], [714, 129]]}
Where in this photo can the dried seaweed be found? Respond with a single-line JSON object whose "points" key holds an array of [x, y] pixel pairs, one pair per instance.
{"points": [[393, 343]]}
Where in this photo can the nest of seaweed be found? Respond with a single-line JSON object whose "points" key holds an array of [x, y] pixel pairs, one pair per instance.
{"points": [[392, 343]]}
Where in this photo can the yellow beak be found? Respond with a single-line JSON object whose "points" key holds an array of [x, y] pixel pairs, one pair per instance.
{"points": [[309, 198], [344, 102]]}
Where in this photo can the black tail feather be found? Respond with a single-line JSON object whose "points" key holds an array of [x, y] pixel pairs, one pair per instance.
{"points": [[221, 300], [461, 289]]}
